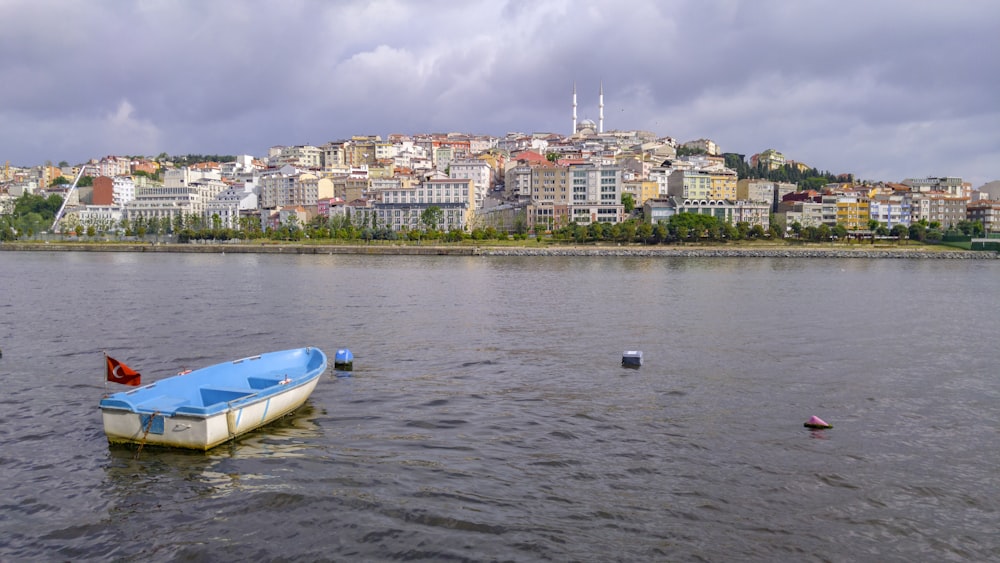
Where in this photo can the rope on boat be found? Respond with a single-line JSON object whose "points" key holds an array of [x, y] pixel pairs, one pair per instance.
{"points": [[149, 425]]}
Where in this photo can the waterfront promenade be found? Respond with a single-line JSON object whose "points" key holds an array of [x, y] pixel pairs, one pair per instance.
{"points": [[720, 251]]}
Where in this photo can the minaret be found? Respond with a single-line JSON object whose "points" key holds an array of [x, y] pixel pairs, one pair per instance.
{"points": [[573, 132], [600, 114]]}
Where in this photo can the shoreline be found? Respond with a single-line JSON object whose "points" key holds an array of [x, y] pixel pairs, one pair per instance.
{"points": [[570, 250]]}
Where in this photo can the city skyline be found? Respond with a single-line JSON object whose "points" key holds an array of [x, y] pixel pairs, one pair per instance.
{"points": [[883, 90]]}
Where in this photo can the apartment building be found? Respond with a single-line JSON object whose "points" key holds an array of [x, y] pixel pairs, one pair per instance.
{"points": [[723, 184], [401, 209], [550, 184], [275, 186], [305, 157], [689, 184], [185, 192], [853, 212], [592, 184], [230, 205], [756, 190], [115, 191], [112, 166], [479, 171], [948, 184], [987, 213], [173, 202], [661, 175], [334, 157], [945, 209], [641, 190], [782, 189], [366, 149], [769, 159], [890, 209], [706, 145], [752, 213]]}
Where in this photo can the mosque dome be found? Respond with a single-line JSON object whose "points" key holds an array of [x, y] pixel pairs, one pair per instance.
{"points": [[586, 126]]}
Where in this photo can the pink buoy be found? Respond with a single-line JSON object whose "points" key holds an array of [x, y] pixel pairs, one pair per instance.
{"points": [[817, 423]]}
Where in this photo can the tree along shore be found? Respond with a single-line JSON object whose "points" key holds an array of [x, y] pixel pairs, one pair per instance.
{"points": [[709, 251]]}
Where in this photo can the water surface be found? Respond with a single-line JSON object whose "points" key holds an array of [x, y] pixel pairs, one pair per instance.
{"points": [[488, 417]]}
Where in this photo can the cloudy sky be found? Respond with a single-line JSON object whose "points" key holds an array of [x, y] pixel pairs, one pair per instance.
{"points": [[885, 89]]}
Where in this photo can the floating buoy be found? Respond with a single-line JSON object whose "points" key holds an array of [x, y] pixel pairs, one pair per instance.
{"points": [[817, 423], [343, 359], [632, 358]]}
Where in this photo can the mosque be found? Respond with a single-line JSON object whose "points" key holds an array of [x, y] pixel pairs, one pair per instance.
{"points": [[587, 126]]}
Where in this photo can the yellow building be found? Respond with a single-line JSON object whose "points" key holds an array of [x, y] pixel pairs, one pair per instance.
{"points": [[853, 212], [48, 175], [550, 184], [723, 185], [641, 190], [769, 160]]}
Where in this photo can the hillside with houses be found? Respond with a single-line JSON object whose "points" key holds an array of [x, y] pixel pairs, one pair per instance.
{"points": [[456, 184]]}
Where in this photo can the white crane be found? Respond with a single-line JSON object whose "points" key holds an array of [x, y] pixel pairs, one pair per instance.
{"points": [[69, 192]]}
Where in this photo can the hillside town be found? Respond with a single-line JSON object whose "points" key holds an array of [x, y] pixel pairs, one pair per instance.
{"points": [[517, 183]]}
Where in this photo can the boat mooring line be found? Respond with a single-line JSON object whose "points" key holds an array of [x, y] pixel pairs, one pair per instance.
{"points": [[149, 424]]}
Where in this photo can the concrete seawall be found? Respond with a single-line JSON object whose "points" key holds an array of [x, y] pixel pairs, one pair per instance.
{"points": [[411, 250]]}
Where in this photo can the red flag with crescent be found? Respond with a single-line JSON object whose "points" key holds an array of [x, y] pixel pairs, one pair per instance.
{"points": [[121, 373]]}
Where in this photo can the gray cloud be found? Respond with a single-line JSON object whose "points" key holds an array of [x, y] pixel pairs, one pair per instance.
{"points": [[884, 89]]}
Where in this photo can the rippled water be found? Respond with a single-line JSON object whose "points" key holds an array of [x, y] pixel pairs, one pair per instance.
{"points": [[488, 417]]}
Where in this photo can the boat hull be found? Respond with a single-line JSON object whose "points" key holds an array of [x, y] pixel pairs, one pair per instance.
{"points": [[199, 414]]}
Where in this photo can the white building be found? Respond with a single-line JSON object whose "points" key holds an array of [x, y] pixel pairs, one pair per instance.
{"points": [[661, 175], [184, 193], [479, 171], [950, 185], [517, 182], [300, 156], [243, 165], [412, 156], [112, 166], [275, 186], [890, 209], [288, 187], [600, 185], [183, 177], [228, 205], [123, 190], [103, 218], [402, 208]]}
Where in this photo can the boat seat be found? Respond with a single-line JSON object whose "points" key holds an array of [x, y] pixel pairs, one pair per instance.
{"points": [[262, 382], [213, 395], [164, 404]]}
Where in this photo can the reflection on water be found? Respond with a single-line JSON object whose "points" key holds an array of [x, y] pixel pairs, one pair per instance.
{"points": [[290, 436]]}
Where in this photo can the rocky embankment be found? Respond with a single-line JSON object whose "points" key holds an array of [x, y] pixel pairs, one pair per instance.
{"points": [[429, 250], [790, 252]]}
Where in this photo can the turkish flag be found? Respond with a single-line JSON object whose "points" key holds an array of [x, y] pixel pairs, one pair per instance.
{"points": [[121, 373]]}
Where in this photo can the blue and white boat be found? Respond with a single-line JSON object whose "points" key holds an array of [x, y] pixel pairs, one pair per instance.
{"points": [[203, 408]]}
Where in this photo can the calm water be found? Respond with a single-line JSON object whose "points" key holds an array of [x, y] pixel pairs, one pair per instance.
{"points": [[488, 417]]}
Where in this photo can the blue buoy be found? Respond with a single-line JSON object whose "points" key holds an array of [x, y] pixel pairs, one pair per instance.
{"points": [[344, 359], [632, 358]]}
